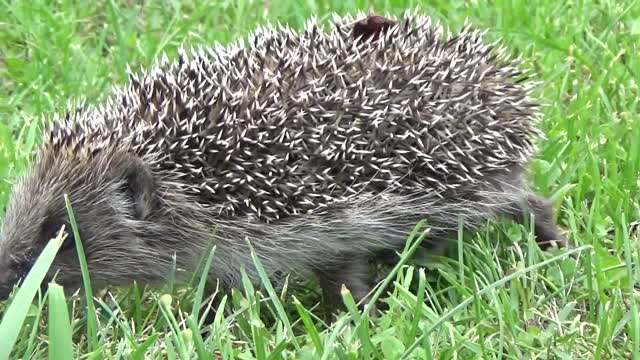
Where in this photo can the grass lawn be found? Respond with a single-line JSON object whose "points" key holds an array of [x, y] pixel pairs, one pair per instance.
{"points": [[496, 296]]}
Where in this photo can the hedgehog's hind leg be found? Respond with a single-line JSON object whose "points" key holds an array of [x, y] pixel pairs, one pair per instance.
{"points": [[545, 228], [352, 272]]}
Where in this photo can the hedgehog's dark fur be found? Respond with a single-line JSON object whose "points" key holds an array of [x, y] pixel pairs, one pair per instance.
{"points": [[320, 148]]}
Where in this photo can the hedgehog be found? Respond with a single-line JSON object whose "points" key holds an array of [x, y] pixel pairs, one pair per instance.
{"points": [[316, 150]]}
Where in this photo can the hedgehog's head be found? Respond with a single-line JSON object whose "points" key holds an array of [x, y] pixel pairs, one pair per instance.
{"points": [[113, 196]]}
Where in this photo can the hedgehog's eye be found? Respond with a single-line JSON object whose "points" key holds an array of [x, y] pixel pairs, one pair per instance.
{"points": [[70, 241], [50, 230]]}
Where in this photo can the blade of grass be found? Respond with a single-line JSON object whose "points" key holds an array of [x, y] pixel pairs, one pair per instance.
{"points": [[282, 315], [417, 312], [276, 353], [92, 321], [16, 313], [362, 323], [309, 326], [487, 289], [138, 354], [199, 344], [60, 343], [165, 308], [171, 353], [411, 246], [34, 331], [123, 325], [635, 319], [197, 301]]}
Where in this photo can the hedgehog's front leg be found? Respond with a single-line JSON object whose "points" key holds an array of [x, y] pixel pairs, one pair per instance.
{"points": [[545, 228]]}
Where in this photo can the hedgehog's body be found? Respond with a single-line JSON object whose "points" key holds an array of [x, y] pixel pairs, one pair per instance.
{"points": [[319, 148]]}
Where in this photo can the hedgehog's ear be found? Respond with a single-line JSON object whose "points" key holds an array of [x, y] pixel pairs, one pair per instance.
{"points": [[140, 186]]}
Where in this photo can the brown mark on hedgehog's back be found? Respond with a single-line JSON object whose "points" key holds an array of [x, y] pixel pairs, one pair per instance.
{"points": [[371, 27]]}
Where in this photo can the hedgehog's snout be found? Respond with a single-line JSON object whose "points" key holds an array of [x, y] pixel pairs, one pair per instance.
{"points": [[8, 278], [5, 273], [4, 293]]}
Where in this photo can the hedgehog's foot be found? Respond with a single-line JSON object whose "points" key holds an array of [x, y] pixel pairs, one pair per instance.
{"points": [[545, 228]]}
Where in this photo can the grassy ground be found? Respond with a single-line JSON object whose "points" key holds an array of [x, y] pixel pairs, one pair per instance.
{"points": [[497, 297]]}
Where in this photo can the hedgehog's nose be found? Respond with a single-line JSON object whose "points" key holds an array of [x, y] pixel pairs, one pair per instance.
{"points": [[7, 281], [6, 285], [4, 292]]}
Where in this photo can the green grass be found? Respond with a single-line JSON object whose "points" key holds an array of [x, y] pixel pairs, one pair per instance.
{"points": [[496, 297]]}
